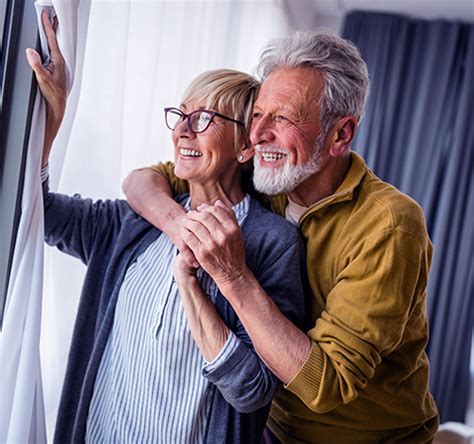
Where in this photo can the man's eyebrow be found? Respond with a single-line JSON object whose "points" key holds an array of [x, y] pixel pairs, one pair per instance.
{"points": [[285, 108]]}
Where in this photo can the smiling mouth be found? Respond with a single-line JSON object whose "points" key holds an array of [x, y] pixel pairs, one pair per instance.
{"points": [[272, 157], [186, 152]]}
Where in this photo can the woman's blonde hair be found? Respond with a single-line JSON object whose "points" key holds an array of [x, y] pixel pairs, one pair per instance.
{"points": [[228, 92]]}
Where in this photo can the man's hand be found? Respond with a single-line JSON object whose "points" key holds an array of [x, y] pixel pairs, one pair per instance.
{"points": [[52, 83], [215, 238]]}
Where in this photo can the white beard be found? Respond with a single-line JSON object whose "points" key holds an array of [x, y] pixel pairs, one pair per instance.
{"points": [[285, 179]]}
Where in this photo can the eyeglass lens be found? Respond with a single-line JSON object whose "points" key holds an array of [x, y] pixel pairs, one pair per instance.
{"points": [[198, 120]]}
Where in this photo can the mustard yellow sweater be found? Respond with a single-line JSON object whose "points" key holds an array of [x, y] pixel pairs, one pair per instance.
{"points": [[366, 379]]}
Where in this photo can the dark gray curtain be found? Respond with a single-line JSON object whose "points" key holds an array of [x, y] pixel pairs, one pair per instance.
{"points": [[418, 134]]}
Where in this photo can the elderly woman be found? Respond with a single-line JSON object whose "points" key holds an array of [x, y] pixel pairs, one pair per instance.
{"points": [[157, 358]]}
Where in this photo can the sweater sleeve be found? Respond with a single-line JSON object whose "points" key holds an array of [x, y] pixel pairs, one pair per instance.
{"points": [[75, 225], [364, 317], [179, 186], [243, 379]]}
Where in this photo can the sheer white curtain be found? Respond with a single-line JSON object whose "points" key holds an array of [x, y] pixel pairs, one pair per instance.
{"points": [[22, 416], [139, 57]]}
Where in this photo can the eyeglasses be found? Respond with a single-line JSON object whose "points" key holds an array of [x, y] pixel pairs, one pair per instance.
{"points": [[198, 121]]}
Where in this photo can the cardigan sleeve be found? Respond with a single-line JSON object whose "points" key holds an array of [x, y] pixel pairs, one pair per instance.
{"points": [[364, 318], [243, 379], [75, 225], [179, 186]]}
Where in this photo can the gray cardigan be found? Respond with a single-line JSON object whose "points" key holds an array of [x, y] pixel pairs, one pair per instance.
{"points": [[108, 236]]}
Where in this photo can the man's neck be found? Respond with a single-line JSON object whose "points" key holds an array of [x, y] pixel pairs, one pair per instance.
{"points": [[322, 184]]}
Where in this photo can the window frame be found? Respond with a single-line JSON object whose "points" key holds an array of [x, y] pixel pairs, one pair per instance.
{"points": [[17, 94]]}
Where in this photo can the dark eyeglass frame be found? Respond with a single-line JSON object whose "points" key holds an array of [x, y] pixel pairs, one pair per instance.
{"points": [[187, 116]]}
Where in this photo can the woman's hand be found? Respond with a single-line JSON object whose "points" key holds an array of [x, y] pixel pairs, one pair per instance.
{"points": [[207, 327], [184, 274], [52, 83]]}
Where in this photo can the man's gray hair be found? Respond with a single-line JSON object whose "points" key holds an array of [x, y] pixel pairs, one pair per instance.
{"points": [[345, 73]]}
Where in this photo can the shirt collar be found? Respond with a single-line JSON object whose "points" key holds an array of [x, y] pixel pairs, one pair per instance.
{"points": [[240, 209]]}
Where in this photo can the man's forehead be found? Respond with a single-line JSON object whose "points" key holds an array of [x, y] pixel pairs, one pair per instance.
{"points": [[291, 87]]}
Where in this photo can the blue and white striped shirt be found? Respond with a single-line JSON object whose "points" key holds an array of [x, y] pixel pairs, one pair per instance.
{"points": [[149, 386]]}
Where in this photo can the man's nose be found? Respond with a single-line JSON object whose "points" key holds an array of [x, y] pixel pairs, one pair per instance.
{"points": [[261, 130]]}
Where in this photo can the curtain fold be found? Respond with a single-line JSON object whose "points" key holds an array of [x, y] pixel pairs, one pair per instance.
{"points": [[21, 406], [418, 135], [22, 414]]}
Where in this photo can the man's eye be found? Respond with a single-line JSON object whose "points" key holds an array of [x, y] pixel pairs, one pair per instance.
{"points": [[256, 116], [281, 118]]}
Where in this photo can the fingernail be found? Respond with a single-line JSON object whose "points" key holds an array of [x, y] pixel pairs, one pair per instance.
{"points": [[30, 54]]}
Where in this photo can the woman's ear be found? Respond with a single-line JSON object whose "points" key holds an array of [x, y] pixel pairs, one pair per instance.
{"points": [[246, 153], [343, 135]]}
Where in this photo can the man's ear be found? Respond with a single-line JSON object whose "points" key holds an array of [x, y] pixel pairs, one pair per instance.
{"points": [[342, 135]]}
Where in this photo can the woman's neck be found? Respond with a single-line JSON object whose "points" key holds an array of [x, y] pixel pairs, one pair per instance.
{"points": [[209, 193]]}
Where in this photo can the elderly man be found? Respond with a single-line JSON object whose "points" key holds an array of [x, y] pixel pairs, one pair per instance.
{"points": [[360, 373]]}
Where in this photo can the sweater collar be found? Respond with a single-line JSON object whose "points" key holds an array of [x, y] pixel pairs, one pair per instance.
{"points": [[354, 177]]}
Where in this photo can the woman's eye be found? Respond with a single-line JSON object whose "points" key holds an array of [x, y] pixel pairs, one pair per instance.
{"points": [[256, 116]]}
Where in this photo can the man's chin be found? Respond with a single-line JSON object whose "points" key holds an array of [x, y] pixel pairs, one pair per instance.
{"points": [[271, 183], [281, 180]]}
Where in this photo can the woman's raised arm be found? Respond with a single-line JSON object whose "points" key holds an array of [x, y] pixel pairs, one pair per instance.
{"points": [[52, 83]]}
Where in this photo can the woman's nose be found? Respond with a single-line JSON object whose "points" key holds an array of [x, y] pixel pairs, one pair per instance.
{"points": [[182, 129]]}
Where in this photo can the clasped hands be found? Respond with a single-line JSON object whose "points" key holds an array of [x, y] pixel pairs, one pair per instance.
{"points": [[210, 237]]}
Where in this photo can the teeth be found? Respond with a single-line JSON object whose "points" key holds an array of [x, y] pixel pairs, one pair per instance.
{"points": [[272, 157], [188, 152]]}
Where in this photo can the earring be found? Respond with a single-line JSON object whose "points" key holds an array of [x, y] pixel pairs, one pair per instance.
{"points": [[241, 158]]}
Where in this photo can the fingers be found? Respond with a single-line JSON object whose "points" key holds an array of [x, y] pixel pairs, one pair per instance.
{"points": [[52, 78], [56, 55], [195, 226], [34, 60], [190, 239], [55, 23], [211, 231], [207, 218], [180, 264], [221, 212], [187, 255], [182, 272], [215, 224]]}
